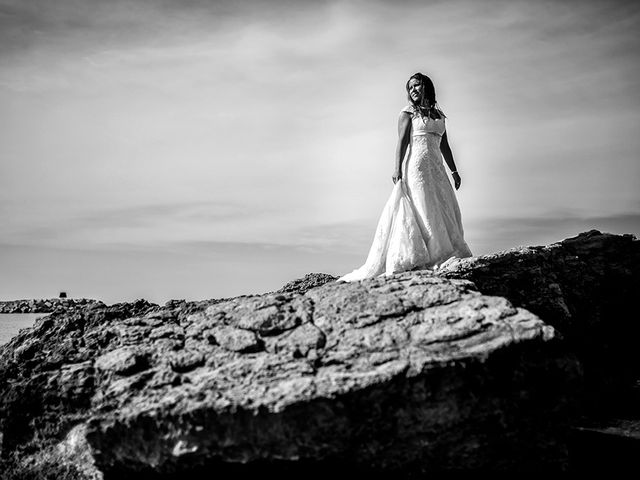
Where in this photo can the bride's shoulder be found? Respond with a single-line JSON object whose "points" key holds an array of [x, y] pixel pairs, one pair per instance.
{"points": [[410, 109]]}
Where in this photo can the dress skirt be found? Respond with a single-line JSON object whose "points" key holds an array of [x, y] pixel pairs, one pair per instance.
{"points": [[420, 226]]}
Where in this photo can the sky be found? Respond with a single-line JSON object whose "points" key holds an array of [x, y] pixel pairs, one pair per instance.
{"points": [[204, 149]]}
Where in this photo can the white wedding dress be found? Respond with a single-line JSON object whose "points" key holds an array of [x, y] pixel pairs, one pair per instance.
{"points": [[420, 226]]}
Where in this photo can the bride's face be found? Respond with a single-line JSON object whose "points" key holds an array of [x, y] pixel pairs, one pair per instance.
{"points": [[416, 90]]}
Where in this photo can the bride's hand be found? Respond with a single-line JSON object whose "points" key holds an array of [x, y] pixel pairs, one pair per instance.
{"points": [[397, 175], [456, 180]]}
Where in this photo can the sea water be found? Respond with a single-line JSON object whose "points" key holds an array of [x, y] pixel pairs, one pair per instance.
{"points": [[11, 323]]}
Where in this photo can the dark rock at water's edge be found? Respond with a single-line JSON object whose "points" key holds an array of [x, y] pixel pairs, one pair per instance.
{"points": [[46, 305], [415, 373], [585, 287]]}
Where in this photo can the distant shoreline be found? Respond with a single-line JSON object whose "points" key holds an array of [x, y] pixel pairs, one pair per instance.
{"points": [[45, 305]]}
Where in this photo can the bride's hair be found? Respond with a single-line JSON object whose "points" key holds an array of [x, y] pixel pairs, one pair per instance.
{"points": [[432, 110]]}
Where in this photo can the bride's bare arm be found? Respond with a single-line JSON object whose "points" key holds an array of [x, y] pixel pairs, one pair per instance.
{"points": [[404, 131], [446, 152], [448, 158]]}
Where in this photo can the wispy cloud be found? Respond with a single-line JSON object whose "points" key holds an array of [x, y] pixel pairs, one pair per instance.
{"points": [[159, 224]]}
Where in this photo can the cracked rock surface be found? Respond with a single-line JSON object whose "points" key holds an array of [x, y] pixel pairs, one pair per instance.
{"points": [[408, 374]]}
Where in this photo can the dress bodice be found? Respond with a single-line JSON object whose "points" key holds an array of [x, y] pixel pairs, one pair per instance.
{"points": [[424, 125]]}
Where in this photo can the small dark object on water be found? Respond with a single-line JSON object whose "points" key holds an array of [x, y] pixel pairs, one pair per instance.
{"points": [[63, 294]]}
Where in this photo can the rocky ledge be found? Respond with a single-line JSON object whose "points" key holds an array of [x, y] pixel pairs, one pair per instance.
{"points": [[486, 364]]}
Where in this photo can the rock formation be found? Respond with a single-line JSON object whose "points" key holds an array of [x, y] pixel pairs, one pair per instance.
{"points": [[584, 287], [415, 373], [306, 283]]}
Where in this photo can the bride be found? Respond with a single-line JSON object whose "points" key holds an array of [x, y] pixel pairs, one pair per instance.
{"points": [[420, 226]]}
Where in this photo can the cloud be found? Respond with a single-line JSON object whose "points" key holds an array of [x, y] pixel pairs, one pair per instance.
{"points": [[137, 225], [88, 24], [229, 121]]}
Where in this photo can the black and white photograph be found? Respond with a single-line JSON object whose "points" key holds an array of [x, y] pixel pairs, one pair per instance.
{"points": [[319, 238]]}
